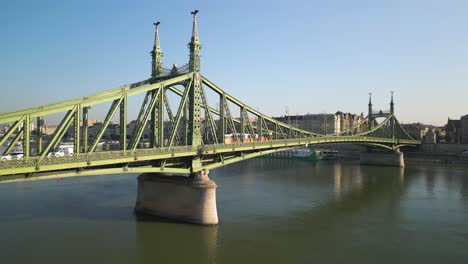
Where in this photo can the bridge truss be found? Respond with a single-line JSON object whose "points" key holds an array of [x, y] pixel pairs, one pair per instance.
{"points": [[184, 139]]}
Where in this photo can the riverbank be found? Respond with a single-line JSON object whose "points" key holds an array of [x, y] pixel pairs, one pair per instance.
{"points": [[427, 157], [426, 153]]}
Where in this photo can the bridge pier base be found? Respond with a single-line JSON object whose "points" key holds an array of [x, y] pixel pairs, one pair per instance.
{"points": [[380, 158], [185, 199]]}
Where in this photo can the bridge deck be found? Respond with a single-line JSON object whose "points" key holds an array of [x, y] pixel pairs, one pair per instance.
{"points": [[134, 161]]}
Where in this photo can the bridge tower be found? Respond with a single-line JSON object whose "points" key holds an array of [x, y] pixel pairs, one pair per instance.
{"points": [[157, 113], [394, 157], [370, 120], [392, 112], [194, 120], [392, 105], [156, 54], [192, 199]]}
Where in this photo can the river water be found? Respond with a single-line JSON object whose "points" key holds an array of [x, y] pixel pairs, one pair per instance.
{"points": [[271, 211]]}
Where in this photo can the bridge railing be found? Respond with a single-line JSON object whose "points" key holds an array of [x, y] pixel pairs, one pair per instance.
{"points": [[86, 159]]}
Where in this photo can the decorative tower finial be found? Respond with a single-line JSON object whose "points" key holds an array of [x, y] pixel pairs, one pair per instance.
{"points": [[194, 28], [156, 35], [156, 54], [194, 46], [392, 105]]}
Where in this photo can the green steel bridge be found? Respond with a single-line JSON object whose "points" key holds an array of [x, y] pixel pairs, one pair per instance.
{"points": [[191, 141]]}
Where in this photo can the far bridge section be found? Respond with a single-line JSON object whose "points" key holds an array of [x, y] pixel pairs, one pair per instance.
{"points": [[176, 132]]}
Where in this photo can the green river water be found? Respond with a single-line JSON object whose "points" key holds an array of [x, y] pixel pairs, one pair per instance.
{"points": [[270, 211]]}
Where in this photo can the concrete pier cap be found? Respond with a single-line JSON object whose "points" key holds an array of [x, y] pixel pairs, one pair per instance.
{"points": [[180, 198]]}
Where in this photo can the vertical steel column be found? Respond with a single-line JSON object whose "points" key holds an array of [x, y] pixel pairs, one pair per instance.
{"points": [[154, 122], [222, 119], [259, 127], [242, 123], [186, 124], [194, 110], [123, 123], [276, 131], [158, 116], [205, 131], [392, 112], [26, 136], [77, 135], [370, 120], [160, 108], [40, 123], [85, 129]]}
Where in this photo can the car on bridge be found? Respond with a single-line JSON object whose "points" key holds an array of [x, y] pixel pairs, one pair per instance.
{"points": [[63, 150], [12, 156]]}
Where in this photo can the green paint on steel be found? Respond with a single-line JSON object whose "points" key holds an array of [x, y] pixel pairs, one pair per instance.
{"points": [[117, 158], [180, 110], [77, 134], [192, 153], [123, 123], [194, 100], [13, 142], [27, 137], [12, 130], [85, 128], [171, 118], [159, 126], [39, 131], [105, 124]]}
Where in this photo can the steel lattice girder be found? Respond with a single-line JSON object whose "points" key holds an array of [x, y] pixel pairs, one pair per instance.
{"points": [[119, 160], [125, 157]]}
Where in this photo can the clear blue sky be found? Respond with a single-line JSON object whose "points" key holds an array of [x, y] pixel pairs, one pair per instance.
{"points": [[312, 56]]}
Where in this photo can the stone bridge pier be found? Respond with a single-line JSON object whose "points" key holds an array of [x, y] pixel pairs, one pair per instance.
{"points": [[393, 158], [185, 199]]}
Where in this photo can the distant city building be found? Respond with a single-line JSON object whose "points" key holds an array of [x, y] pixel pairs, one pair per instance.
{"points": [[426, 133], [90, 122], [415, 130], [4, 128], [464, 129], [439, 134], [49, 129], [453, 131], [430, 137], [345, 121], [323, 123], [317, 123]]}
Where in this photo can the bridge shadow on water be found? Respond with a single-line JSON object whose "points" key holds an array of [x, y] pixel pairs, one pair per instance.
{"points": [[173, 242]]}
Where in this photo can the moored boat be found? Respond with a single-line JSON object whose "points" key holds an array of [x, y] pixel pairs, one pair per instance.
{"points": [[295, 154]]}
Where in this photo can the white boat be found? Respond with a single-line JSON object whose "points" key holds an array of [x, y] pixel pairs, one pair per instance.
{"points": [[297, 154]]}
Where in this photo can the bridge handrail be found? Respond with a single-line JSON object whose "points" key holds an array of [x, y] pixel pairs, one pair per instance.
{"points": [[193, 151]]}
